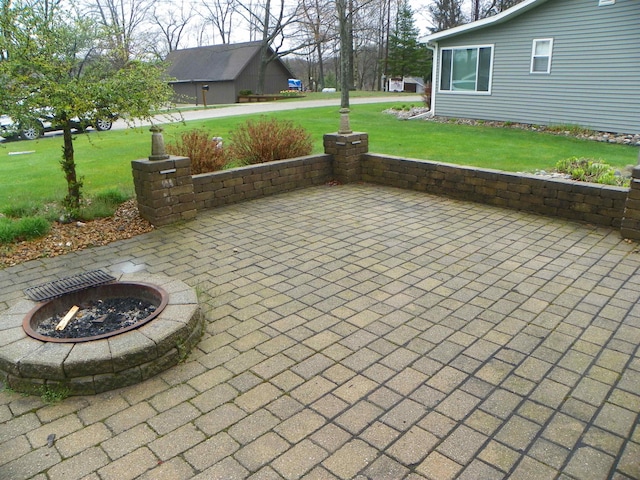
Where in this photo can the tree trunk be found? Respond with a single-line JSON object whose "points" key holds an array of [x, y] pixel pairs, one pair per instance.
{"points": [[72, 201], [352, 59], [262, 69], [344, 53], [264, 48], [320, 67]]}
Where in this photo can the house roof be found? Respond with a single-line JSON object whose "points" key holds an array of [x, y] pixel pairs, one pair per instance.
{"points": [[502, 17], [215, 63]]}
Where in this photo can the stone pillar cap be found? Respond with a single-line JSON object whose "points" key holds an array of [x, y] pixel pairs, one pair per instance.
{"points": [[157, 144]]}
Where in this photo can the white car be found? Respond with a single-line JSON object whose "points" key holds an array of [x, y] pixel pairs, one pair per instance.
{"points": [[11, 130]]}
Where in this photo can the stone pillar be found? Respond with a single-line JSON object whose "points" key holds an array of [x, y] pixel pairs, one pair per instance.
{"points": [[630, 227], [164, 189], [346, 150], [163, 183]]}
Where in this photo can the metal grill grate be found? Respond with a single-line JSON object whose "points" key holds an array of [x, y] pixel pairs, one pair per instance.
{"points": [[74, 283]]}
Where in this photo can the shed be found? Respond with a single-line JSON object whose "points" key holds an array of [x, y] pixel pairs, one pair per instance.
{"points": [[548, 62], [216, 74], [406, 84]]}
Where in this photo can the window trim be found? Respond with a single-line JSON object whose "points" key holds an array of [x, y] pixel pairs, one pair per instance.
{"points": [[534, 56], [602, 3], [467, 92]]}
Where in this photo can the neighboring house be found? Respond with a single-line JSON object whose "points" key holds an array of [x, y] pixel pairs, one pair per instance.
{"points": [[547, 62], [216, 74]]}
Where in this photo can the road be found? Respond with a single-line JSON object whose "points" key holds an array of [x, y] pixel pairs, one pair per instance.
{"points": [[264, 107], [252, 109]]}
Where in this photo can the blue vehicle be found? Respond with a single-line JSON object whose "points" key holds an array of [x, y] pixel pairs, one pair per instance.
{"points": [[295, 84]]}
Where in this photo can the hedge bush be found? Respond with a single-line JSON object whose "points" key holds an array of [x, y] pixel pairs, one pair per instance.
{"points": [[268, 139], [206, 154]]}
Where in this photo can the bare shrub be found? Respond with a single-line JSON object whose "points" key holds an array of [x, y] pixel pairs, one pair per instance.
{"points": [[268, 139], [206, 153], [426, 95]]}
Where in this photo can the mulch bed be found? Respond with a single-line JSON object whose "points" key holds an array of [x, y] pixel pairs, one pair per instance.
{"points": [[68, 237]]}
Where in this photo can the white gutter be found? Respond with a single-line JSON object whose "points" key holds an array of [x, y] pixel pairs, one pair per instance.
{"points": [[432, 108], [501, 17]]}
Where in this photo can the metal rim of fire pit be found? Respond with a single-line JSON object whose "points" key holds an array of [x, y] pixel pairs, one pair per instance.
{"points": [[159, 294]]}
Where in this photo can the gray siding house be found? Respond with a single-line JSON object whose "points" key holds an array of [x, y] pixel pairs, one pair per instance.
{"points": [[547, 62], [223, 71]]}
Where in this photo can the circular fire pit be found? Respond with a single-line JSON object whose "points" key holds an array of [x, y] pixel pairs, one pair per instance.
{"points": [[31, 362], [98, 312]]}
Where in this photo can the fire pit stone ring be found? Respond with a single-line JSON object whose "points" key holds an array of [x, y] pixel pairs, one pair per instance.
{"points": [[30, 365]]}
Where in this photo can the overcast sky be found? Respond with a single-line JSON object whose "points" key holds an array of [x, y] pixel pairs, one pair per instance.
{"points": [[419, 7], [240, 33]]}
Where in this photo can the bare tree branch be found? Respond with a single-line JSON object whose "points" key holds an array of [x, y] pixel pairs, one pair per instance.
{"points": [[220, 14], [172, 23]]}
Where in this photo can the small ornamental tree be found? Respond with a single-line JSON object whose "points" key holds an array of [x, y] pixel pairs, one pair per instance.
{"points": [[52, 62]]}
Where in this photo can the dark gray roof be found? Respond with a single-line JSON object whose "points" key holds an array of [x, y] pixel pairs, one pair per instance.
{"points": [[216, 63]]}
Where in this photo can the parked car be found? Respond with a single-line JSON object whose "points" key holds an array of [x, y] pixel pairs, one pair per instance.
{"points": [[45, 122]]}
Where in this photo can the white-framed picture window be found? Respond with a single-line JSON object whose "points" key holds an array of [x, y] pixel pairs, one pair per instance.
{"points": [[466, 69], [541, 55]]}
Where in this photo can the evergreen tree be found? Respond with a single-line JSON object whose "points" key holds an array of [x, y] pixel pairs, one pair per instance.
{"points": [[407, 56]]}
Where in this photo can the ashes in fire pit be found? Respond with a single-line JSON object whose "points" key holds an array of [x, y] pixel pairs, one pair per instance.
{"points": [[98, 317], [94, 313]]}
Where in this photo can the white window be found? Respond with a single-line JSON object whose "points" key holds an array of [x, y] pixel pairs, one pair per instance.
{"points": [[606, 2], [466, 69], [541, 55]]}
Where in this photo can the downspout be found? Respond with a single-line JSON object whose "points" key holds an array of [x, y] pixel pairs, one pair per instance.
{"points": [[432, 108]]}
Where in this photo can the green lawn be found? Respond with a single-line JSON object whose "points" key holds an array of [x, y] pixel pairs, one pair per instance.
{"points": [[103, 159]]}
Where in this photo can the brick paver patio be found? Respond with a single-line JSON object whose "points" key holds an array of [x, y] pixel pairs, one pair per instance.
{"points": [[362, 332]]}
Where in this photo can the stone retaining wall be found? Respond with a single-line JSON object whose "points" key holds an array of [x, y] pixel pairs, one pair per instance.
{"points": [[346, 160], [235, 185], [594, 203]]}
